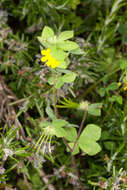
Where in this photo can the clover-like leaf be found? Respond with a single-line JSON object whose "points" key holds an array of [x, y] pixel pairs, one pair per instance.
{"points": [[94, 109], [87, 141], [71, 133], [68, 78], [59, 54], [49, 112], [76, 149], [68, 45], [59, 83], [59, 123], [65, 35], [59, 131], [47, 32]]}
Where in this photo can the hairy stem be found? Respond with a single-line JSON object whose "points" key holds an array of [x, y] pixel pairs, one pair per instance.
{"points": [[80, 129], [77, 172], [74, 164], [65, 142]]}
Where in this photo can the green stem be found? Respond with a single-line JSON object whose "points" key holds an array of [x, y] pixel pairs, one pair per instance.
{"points": [[38, 141], [41, 144]]}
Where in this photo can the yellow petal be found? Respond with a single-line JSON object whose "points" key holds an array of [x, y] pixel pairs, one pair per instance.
{"points": [[43, 59], [53, 66], [48, 63], [125, 88], [45, 52]]}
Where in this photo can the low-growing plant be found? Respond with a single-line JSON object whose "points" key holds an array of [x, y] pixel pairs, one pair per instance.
{"points": [[55, 50], [56, 105]]}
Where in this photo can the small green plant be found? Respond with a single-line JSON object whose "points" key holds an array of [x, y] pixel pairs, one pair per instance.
{"points": [[55, 50], [51, 102]]}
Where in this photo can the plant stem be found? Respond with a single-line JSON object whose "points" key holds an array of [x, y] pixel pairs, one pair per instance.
{"points": [[74, 164], [80, 129], [65, 142], [77, 172]]}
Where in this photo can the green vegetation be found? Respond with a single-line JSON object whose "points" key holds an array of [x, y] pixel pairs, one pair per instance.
{"points": [[63, 90]]}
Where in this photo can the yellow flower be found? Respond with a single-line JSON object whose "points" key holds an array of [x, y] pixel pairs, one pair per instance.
{"points": [[125, 87], [46, 52], [49, 59]]}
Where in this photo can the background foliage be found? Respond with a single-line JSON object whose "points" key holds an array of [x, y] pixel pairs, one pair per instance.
{"points": [[100, 29]]}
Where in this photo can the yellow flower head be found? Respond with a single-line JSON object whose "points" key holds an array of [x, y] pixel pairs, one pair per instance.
{"points": [[125, 87], [49, 59]]}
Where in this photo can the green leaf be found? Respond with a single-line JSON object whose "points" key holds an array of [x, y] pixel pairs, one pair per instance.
{"points": [[59, 132], [51, 80], [65, 35], [119, 99], [109, 145], [45, 124], [91, 148], [123, 64], [47, 33], [68, 45], [88, 138], [123, 31], [102, 92], [77, 51], [71, 134], [59, 54], [64, 64], [40, 39], [76, 149], [68, 78], [105, 135], [50, 112], [94, 109], [59, 83], [59, 123], [115, 98], [112, 86], [68, 103], [92, 131]]}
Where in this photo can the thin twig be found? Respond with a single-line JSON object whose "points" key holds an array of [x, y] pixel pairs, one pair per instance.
{"points": [[77, 172], [27, 183], [74, 164], [73, 157], [80, 129]]}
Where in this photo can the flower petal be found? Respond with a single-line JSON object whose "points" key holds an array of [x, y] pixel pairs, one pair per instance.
{"points": [[44, 59], [45, 52]]}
